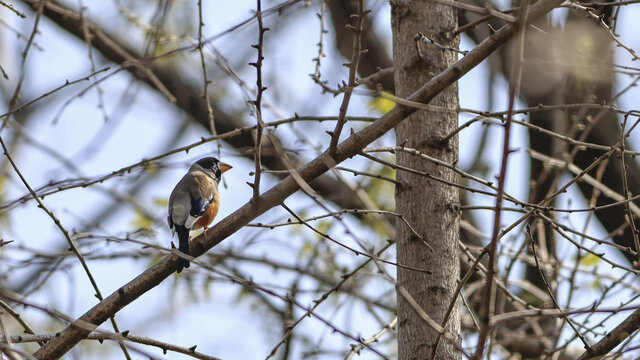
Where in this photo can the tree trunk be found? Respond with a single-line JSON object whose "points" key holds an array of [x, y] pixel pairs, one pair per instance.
{"points": [[430, 206]]}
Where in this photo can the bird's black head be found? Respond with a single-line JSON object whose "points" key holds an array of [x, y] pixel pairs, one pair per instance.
{"points": [[214, 166]]}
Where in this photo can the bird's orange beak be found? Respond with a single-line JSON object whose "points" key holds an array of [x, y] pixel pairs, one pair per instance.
{"points": [[224, 167]]}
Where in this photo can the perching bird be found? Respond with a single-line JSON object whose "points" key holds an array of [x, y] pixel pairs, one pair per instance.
{"points": [[195, 201]]}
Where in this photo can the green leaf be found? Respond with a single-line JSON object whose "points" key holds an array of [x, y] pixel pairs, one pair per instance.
{"points": [[589, 260], [141, 221], [151, 167], [306, 249], [161, 201], [383, 103]]}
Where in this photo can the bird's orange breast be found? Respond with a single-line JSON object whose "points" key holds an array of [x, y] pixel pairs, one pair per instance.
{"points": [[208, 216]]}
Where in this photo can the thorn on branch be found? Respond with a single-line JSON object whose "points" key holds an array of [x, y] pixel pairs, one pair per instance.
{"points": [[3, 243]]}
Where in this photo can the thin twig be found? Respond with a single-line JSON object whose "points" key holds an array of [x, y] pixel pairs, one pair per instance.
{"points": [[67, 83], [19, 319], [325, 296], [257, 153], [422, 37], [205, 91], [488, 307], [10, 7], [164, 346], [625, 188], [532, 241], [355, 349], [357, 51]]}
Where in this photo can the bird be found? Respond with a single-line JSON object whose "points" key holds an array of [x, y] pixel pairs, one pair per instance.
{"points": [[195, 201]]}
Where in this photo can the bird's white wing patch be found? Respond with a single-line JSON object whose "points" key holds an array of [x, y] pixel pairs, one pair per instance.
{"points": [[190, 221]]}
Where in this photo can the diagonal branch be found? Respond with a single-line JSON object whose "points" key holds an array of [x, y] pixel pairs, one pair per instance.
{"points": [[614, 338], [70, 336]]}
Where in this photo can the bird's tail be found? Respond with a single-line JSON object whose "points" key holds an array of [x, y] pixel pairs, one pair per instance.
{"points": [[183, 237]]}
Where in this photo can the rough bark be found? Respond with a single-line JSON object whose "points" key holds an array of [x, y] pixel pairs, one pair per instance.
{"points": [[430, 207]]}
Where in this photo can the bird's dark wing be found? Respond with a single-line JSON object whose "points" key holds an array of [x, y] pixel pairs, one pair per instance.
{"points": [[199, 206]]}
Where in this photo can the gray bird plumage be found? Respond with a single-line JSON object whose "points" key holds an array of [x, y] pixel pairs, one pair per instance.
{"points": [[195, 201]]}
